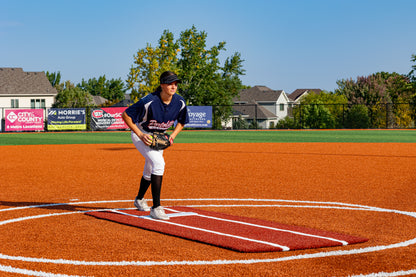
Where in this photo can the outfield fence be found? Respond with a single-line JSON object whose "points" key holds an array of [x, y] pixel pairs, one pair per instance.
{"points": [[230, 117], [320, 116]]}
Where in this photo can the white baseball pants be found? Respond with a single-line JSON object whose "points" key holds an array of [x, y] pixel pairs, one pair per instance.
{"points": [[154, 161]]}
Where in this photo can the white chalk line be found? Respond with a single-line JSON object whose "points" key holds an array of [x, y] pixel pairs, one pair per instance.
{"points": [[387, 274], [23, 271], [194, 199], [219, 262]]}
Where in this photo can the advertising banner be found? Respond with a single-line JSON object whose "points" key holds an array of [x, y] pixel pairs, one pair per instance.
{"points": [[108, 119], [24, 120], [1, 118], [199, 117], [66, 119]]}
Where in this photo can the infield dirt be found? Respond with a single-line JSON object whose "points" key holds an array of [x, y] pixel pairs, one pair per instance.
{"points": [[89, 176]]}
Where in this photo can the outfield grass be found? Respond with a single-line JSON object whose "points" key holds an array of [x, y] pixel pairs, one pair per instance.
{"points": [[403, 136]]}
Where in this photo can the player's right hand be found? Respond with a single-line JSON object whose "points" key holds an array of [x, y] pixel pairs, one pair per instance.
{"points": [[147, 139]]}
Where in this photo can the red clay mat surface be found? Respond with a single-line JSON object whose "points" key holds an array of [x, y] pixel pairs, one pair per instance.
{"points": [[237, 233], [360, 189]]}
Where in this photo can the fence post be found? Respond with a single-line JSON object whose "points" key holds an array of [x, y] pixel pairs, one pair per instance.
{"points": [[343, 116]]}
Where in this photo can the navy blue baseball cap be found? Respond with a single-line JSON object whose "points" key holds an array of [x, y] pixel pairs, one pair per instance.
{"points": [[169, 79]]}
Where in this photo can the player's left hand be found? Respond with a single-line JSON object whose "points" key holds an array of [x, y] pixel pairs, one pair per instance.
{"points": [[160, 141]]}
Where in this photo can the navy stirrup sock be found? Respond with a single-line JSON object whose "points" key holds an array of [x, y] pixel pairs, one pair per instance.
{"points": [[144, 185], [156, 182]]}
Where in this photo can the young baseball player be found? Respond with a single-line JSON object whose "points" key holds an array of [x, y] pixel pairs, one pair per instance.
{"points": [[155, 112]]}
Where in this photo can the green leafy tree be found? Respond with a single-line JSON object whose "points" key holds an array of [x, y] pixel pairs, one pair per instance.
{"points": [[72, 97], [381, 87], [412, 76], [412, 73], [112, 90], [321, 111], [240, 123], [317, 116], [357, 117], [330, 107], [404, 115], [377, 91], [54, 78], [149, 63], [287, 123], [204, 80]]}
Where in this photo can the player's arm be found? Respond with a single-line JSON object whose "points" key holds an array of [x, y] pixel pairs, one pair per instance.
{"points": [[183, 119], [147, 139], [176, 131]]}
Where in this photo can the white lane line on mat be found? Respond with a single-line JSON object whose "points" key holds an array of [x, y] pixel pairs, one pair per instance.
{"points": [[270, 228], [284, 248]]}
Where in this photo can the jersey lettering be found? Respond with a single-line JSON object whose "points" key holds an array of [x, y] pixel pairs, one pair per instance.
{"points": [[154, 125]]}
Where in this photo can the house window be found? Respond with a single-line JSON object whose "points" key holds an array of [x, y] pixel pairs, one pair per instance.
{"points": [[14, 103], [37, 103], [282, 107]]}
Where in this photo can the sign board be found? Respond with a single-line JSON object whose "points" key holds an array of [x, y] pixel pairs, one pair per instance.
{"points": [[199, 117], [66, 119], [24, 120], [108, 119]]}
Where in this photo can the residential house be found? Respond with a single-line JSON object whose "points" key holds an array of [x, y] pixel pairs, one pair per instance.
{"points": [[262, 104], [297, 95], [98, 100], [124, 103], [19, 89]]}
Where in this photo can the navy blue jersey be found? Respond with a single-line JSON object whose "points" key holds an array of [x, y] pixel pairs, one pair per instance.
{"points": [[151, 114]]}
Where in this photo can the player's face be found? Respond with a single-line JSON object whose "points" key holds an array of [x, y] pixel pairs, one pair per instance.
{"points": [[170, 89]]}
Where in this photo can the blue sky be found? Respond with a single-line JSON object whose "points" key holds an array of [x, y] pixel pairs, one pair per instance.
{"points": [[285, 44]]}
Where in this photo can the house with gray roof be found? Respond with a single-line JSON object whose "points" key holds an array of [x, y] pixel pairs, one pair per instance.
{"points": [[98, 100], [126, 102], [262, 104], [20, 89], [297, 95]]}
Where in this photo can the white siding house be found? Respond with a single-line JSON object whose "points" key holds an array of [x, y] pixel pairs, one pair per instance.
{"points": [[19, 89], [263, 104]]}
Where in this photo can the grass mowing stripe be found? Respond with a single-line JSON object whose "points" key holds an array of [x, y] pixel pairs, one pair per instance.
{"points": [[208, 136], [408, 136], [64, 138]]}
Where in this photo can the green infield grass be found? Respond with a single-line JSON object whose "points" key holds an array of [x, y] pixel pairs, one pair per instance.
{"points": [[208, 136]]}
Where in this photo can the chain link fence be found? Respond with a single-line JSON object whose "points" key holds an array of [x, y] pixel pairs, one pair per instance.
{"points": [[315, 116], [303, 116]]}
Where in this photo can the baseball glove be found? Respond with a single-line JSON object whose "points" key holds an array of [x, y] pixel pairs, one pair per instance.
{"points": [[160, 141]]}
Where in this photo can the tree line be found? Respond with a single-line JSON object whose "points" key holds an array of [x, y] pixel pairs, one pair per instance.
{"points": [[380, 100], [207, 81], [80, 95]]}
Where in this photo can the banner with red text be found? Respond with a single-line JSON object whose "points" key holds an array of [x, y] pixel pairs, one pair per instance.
{"points": [[108, 119]]}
